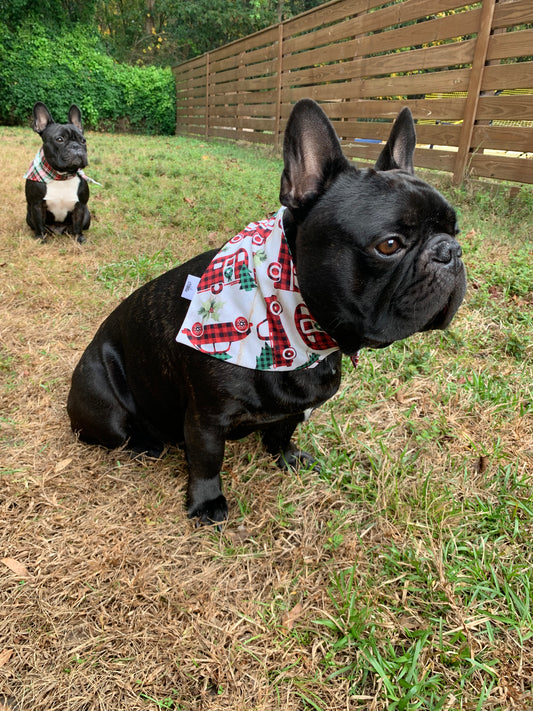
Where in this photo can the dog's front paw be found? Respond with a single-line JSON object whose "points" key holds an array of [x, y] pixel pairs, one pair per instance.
{"points": [[295, 459], [214, 511], [80, 239]]}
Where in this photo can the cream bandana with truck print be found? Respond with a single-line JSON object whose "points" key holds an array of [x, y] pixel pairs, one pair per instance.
{"points": [[247, 308]]}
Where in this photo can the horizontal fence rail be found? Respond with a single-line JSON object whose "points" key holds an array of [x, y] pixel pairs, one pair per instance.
{"points": [[465, 71]]}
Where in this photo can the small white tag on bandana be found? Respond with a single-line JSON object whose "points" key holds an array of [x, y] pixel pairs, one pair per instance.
{"points": [[247, 307], [189, 290]]}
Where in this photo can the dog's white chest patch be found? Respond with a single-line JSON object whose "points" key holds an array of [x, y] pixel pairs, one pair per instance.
{"points": [[61, 197]]}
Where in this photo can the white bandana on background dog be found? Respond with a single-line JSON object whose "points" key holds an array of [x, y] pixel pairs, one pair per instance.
{"points": [[247, 308]]}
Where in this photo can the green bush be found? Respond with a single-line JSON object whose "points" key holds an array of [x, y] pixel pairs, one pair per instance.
{"points": [[71, 67]]}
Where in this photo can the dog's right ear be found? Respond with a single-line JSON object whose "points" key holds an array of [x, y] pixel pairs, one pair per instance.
{"points": [[312, 156], [41, 117]]}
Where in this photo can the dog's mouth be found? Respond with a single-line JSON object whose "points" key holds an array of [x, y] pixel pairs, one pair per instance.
{"points": [[74, 164], [444, 317], [376, 344], [379, 333], [439, 322]]}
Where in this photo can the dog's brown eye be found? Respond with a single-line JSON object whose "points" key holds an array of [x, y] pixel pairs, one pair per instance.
{"points": [[389, 246], [59, 139]]}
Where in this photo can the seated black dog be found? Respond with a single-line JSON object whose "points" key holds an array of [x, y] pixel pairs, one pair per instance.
{"points": [[56, 186], [250, 337]]}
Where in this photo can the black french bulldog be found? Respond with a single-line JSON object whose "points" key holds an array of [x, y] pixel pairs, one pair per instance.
{"points": [[56, 187], [376, 260]]}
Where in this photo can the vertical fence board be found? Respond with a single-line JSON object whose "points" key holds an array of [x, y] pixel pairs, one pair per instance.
{"points": [[278, 87], [207, 95], [478, 63]]}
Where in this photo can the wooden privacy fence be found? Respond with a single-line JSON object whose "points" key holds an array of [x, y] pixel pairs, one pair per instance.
{"points": [[465, 71]]}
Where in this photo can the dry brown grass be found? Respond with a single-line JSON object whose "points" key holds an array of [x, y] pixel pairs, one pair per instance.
{"points": [[110, 598]]}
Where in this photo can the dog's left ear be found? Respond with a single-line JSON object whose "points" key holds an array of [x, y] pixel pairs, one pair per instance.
{"points": [[312, 156], [74, 116], [399, 149]]}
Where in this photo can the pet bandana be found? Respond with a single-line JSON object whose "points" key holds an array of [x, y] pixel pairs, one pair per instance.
{"points": [[247, 308], [40, 171]]}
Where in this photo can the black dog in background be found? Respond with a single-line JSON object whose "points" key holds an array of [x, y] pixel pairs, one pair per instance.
{"points": [[56, 186], [374, 260]]}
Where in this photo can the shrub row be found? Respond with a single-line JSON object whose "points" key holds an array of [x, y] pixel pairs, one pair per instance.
{"points": [[71, 67]]}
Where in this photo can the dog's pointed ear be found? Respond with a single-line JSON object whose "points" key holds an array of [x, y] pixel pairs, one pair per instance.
{"points": [[312, 156], [399, 149], [74, 116], [41, 117]]}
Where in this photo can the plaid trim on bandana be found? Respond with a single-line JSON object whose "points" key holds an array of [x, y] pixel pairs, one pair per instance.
{"points": [[40, 171], [247, 308]]}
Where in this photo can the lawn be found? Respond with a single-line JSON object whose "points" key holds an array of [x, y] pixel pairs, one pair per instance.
{"points": [[399, 578]]}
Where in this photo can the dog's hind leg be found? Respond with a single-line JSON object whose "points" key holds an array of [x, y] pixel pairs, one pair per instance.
{"points": [[101, 407], [96, 415], [278, 442]]}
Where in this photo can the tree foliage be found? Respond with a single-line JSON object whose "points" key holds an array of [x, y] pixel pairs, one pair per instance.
{"points": [[70, 66], [52, 13], [163, 32], [169, 31]]}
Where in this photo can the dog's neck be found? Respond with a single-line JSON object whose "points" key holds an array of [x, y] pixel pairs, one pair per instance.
{"points": [[41, 171], [247, 308]]}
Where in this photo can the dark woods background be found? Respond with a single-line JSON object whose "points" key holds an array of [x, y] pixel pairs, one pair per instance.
{"points": [[162, 32]]}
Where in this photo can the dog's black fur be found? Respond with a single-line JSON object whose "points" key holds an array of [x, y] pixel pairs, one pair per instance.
{"points": [[377, 260], [65, 209]]}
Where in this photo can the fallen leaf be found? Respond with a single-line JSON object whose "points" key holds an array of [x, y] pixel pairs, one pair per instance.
{"points": [[291, 616], [409, 622], [189, 201], [63, 464], [241, 534], [5, 656], [14, 566]]}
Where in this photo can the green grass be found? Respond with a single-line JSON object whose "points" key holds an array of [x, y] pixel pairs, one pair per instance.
{"points": [[399, 577], [132, 273]]}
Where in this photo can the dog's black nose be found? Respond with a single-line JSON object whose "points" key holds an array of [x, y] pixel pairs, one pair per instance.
{"points": [[445, 251]]}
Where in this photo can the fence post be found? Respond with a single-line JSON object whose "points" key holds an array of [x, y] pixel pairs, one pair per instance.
{"points": [[474, 87], [207, 95], [278, 89]]}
